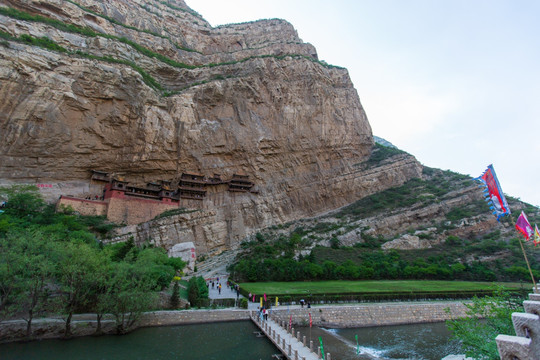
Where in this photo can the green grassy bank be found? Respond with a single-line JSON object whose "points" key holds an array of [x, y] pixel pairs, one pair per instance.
{"points": [[377, 286]]}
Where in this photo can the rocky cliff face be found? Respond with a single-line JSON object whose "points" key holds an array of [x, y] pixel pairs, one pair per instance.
{"points": [[148, 89]]}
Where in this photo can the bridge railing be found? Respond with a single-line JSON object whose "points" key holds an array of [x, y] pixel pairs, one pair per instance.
{"points": [[526, 344]]}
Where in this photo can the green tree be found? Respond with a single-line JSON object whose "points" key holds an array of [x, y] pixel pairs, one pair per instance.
{"points": [[155, 261], [36, 271], [193, 292], [76, 272], [99, 294], [22, 199], [175, 297], [478, 337], [197, 290], [11, 262], [129, 294]]}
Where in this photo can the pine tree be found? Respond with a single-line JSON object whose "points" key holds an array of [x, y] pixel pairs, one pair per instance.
{"points": [[175, 297]]}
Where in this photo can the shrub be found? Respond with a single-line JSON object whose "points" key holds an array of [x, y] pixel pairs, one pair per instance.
{"points": [[243, 303], [334, 243]]}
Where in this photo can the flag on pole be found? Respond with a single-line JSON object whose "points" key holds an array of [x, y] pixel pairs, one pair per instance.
{"points": [[322, 349], [536, 239], [261, 301], [290, 322], [276, 301], [310, 322], [357, 346], [523, 226], [493, 193], [264, 297]]}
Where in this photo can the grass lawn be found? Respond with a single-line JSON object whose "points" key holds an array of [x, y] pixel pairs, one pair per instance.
{"points": [[375, 286]]}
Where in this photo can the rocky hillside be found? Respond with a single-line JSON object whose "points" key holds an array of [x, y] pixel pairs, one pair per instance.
{"points": [[434, 227], [146, 90]]}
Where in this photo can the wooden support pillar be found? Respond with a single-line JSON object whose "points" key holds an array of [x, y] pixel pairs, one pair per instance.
{"points": [[328, 357], [311, 345], [290, 350], [295, 354], [298, 335], [304, 340]]}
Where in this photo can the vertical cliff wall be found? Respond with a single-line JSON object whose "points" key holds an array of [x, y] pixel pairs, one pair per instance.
{"points": [[147, 89]]}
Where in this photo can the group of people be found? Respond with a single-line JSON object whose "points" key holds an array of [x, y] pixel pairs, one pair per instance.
{"points": [[263, 313], [217, 284], [303, 302]]}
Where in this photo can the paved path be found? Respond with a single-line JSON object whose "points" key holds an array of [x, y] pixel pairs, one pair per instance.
{"points": [[226, 292], [289, 345]]}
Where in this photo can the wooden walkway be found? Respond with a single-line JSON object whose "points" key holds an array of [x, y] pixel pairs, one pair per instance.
{"points": [[291, 346]]}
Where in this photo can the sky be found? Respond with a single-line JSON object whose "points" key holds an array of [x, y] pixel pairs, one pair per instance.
{"points": [[454, 83]]}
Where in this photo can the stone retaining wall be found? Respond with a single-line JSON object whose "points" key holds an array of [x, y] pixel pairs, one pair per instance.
{"points": [[166, 318], [83, 206], [373, 314], [330, 316]]}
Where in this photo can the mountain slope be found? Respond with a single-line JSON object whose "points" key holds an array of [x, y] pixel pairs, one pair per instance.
{"points": [[147, 90]]}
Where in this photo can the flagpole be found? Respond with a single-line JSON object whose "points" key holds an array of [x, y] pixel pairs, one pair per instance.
{"points": [[495, 196], [310, 322], [525, 256]]}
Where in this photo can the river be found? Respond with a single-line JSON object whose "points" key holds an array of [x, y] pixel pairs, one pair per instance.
{"points": [[236, 340]]}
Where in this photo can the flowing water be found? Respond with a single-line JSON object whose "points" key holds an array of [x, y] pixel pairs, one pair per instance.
{"points": [[236, 340], [414, 342]]}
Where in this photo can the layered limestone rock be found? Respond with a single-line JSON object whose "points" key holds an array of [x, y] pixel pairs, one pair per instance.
{"points": [[247, 98], [408, 242]]}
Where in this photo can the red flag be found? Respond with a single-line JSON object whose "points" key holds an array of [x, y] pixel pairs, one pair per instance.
{"points": [[310, 320], [493, 193], [265, 297], [523, 226], [290, 322]]}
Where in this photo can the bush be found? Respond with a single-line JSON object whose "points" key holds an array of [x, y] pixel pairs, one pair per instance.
{"points": [[478, 337], [243, 303]]}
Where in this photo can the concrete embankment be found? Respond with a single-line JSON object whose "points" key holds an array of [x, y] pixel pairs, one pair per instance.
{"points": [[330, 316], [377, 314]]}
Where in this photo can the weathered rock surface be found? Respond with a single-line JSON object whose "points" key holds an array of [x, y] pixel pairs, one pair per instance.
{"points": [[252, 98], [186, 252], [408, 242]]}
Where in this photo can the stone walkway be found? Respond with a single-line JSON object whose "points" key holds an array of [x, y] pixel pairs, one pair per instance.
{"points": [[288, 344], [226, 292]]}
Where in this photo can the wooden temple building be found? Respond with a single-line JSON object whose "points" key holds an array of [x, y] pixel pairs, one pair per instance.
{"points": [[129, 203]]}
